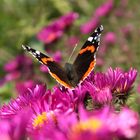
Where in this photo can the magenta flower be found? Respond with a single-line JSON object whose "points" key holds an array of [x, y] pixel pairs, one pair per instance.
{"points": [[138, 88], [12, 76], [67, 20], [110, 38], [23, 86], [71, 127], [72, 41], [90, 25], [88, 125], [121, 82], [15, 128], [55, 30], [94, 21], [49, 34], [42, 115], [5, 129], [104, 9], [57, 56], [64, 101], [47, 110], [112, 83], [102, 124], [24, 100], [21, 66], [44, 68], [124, 124], [100, 91], [130, 127], [127, 30], [100, 61], [44, 105]]}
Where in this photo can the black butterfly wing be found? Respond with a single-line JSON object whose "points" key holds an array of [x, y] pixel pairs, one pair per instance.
{"points": [[86, 59], [55, 70]]}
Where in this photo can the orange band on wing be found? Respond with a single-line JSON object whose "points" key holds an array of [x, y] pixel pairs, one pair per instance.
{"points": [[59, 80], [92, 64], [88, 48], [45, 60]]}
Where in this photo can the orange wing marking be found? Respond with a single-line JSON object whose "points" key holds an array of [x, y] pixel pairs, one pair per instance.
{"points": [[45, 60], [59, 80], [92, 64], [88, 48]]}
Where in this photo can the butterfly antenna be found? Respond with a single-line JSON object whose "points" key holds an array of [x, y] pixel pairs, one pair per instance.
{"points": [[72, 52]]}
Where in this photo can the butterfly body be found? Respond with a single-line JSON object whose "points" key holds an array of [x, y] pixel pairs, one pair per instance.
{"points": [[75, 73], [71, 74]]}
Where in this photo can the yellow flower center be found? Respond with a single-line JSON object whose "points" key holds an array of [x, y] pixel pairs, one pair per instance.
{"points": [[40, 120], [91, 124]]}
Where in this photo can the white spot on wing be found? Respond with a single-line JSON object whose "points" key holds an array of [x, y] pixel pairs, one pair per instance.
{"points": [[34, 54], [95, 31], [90, 39], [95, 38], [23, 47], [38, 52], [101, 28]]}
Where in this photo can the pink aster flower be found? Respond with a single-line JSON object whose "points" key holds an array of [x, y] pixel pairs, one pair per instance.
{"points": [[50, 133], [67, 20], [64, 101], [44, 68], [18, 67], [42, 115], [15, 128], [130, 127], [72, 41], [127, 30], [55, 30], [121, 81], [100, 90], [112, 83], [124, 124], [110, 38], [49, 34], [104, 9], [90, 25], [22, 87], [44, 105], [5, 129], [70, 127], [138, 88], [100, 62], [47, 110], [94, 21], [22, 101], [88, 125]]}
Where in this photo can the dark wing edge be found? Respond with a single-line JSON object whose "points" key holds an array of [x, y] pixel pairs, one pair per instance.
{"points": [[55, 70], [86, 59]]}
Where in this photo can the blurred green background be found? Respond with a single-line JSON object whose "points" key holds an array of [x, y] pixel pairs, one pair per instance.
{"points": [[21, 20]]}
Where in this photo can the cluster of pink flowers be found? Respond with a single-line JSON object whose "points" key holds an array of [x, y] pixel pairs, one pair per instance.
{"points": [[55, 30], [64, 114], [101, 11], [15, 67]]}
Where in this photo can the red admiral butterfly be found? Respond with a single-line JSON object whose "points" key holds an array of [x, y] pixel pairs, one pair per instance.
{"points": [[72, 74]]}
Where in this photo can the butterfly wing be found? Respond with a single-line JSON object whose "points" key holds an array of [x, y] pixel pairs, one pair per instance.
{"points": [[55, 70], [86, 59]]}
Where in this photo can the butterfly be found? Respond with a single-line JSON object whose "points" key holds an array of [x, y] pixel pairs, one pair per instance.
{"points": [[71, 75]]}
